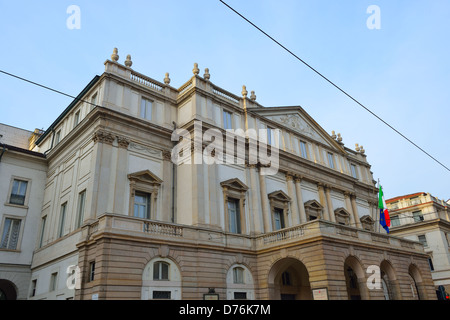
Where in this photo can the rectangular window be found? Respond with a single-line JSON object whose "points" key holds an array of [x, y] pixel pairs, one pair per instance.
{"points": [[161, 294], [53, 278], [33, 288], [160, 271], [80, 211], [62, 220], [395, 221], [76, 118], [234, 216], [353, 170], [142, 205], [146, 109], [271, 139], [238, 275], [227, 122], [331, 160], [423, 240], [91, 271], [417, 216], [240, 295], [10, 234], [303, 152], [278, 216], [430, 263], [57, 137], [18, 192], [41, 240]]}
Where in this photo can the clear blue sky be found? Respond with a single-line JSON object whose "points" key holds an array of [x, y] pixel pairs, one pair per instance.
{"points": [[401, 71]]}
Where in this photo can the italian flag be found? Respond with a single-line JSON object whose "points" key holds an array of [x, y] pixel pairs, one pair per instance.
{"points": [[385, 220]]}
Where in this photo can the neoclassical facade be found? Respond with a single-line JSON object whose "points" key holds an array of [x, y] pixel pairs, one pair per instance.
{"points": [[142, 218]]}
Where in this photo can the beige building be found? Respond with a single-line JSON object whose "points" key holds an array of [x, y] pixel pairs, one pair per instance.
{"points": [[424, 218], [127, 202], [22, 177]]}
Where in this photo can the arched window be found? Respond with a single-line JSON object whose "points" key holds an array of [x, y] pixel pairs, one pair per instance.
{"points": [[239, 283], [160, 271], [161, 279]]}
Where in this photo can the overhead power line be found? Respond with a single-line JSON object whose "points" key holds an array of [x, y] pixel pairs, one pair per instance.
{"points": [[45, 87], [333, 84]]}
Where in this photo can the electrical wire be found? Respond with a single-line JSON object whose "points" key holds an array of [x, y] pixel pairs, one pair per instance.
{"points": [[334, 85], [48, 88]]}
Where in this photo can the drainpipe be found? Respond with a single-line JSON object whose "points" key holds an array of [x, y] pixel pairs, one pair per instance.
{"points": [[174, 172]]}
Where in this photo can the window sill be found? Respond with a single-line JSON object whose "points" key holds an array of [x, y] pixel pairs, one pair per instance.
{"points": [[16, 205], [10, 250]]}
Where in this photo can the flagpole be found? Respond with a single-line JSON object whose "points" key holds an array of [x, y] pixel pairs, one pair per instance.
{"points": [[378, 209]]}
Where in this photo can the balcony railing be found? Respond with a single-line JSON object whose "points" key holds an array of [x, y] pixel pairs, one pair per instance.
{"points": [[120, 224]]}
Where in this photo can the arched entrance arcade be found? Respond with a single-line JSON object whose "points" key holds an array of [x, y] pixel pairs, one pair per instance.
{"points": [[289, 280]]}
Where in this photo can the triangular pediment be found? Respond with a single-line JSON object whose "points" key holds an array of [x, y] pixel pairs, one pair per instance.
{"points": [[279, 195], [342, 212], [235, 184], [145, 176], [367, 219], [297, 119], [313, 204]]}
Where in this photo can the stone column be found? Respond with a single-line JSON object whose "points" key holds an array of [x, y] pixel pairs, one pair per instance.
{"points": [[323, 201], [349, 208], [264, 203], [301, 207], [255, 208], [355, 210], [329, 203], [294, 206]]}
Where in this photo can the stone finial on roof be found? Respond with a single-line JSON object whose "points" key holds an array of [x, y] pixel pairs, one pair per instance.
{"points": [[362, 150], [166, 78], [333, 135], [128, 61], [115, 56], [339, 138], [195, 70], [244, 92], [206, 76], [357, 148], [252, 95]]}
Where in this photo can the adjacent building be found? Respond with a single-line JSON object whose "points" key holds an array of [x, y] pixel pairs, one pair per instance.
{"points": [[424, 218], [156, 192], [22, 177]]}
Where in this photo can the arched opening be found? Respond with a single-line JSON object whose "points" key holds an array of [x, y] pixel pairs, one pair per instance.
{"points": [[161, 279], [416, 285], [389, 282], [7, 290], [355, 279], [240, 283], [289, 280]]}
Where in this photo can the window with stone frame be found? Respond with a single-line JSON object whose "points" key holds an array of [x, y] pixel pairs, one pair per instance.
{"points": [[279, 206], [367, 223], [18, 192], [342, 216], [144, 189], [234, 194], [313, 210]]}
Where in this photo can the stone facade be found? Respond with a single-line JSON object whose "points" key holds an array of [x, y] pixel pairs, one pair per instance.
{"points": [[126, 202]]}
